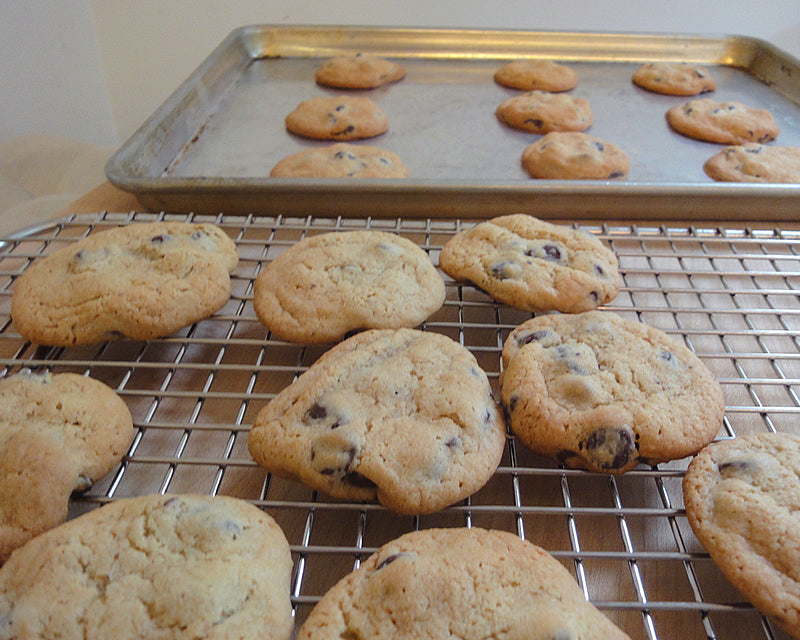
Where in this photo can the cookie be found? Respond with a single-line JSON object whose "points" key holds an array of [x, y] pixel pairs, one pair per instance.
{"points": [[572, 155], [741, 499], [598, 391], [152, 567], [58, 434], [337, 118], [542, 112], [674, 78], [328, 285], [722, 122], [341, 160], [358, 71], [403, 415], [753, 162], [458, 583], [530, 75], [533, 265], [140, 281]]}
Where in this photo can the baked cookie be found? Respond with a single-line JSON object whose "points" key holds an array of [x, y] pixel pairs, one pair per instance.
{"points": [[152, 567], [722, 122], [328, 285], [403, 415], [337, 118], [458, 583], [753, 162], [534, 265], [358, 71], [58, 434], [140, 281], [542, 112], [674, 78], [530, 75], [597, 391], [741, 500], [341, 160], [572, 155]]}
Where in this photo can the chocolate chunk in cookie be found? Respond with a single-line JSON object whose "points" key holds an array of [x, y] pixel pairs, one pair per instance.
{"points": [[574, 156], [531, 75], [337, 118], [402, 415], [542, 112], [139, 281], [674, 78], [358, 71], [722, 122], [341, 160], [534, 265], [597, 391], [463, 583]]}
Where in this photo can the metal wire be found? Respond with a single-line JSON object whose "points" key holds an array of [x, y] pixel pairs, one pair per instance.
{"points": [[731, 294]]}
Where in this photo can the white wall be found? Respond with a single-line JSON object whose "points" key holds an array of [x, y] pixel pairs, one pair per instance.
{"points": [[95, 69]]}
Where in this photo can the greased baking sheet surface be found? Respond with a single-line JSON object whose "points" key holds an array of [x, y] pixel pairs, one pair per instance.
{"points": [[729, 293], [211, 146]]}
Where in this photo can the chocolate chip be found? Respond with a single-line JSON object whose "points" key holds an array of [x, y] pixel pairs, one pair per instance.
{"points": [[161, 238], [534, 336], [599, 270], [610, 447], [737, 467], [615, 174], [536, 122], [453, 443], [340, 107], [348, 129], [666, 356], [600, 146], [499, 271], [387, 561], [552, 252], [316, 412], [197, 235]]}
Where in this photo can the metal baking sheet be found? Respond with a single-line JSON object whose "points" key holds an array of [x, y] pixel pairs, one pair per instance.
{"points": [[728, 292], [211, 145]]}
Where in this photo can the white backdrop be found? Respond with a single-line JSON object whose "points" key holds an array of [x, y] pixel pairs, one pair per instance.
{"points": [[95, 69]]}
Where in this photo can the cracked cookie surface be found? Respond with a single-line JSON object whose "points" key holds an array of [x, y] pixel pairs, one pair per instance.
{"points": [[722, 122], [330, 284], [404, 415], [58, 434], [458, 583], [358, 71], [534, 265], [140, 281], [741, 498], [337, 118], [168, 567], [597, 391]]}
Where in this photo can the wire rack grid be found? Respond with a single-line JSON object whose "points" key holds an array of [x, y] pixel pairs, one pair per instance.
{"points": [[731, 294]]}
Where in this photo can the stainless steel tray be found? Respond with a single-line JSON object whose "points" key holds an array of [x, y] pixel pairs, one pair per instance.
{"points": [[211, 145], [730, 293]]}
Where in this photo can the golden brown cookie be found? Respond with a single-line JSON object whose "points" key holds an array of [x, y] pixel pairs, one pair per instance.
{"points": [[674, 78], [753, 162], [529, 75], [722, 122], [341, 160], [58, 434], [598, 391], [573, 155], [358, 71], [742, 499], [470, 584], [337, 118], [542, 112]]}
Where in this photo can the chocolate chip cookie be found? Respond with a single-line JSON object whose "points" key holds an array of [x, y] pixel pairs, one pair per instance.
{"points": [[573, 155], [534, 265], [358, 71], [157, 566], [753, 162], [542, 75], [598, 391], [58, 434], [140, 281], [674, 78], [741, 499], [402, 415], [337, 118], [542, 112], [722, 122], [341, 160], [458, 583], [328, 285]]}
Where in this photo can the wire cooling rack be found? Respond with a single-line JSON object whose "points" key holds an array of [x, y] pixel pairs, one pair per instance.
{"points": [[731, 294]]}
